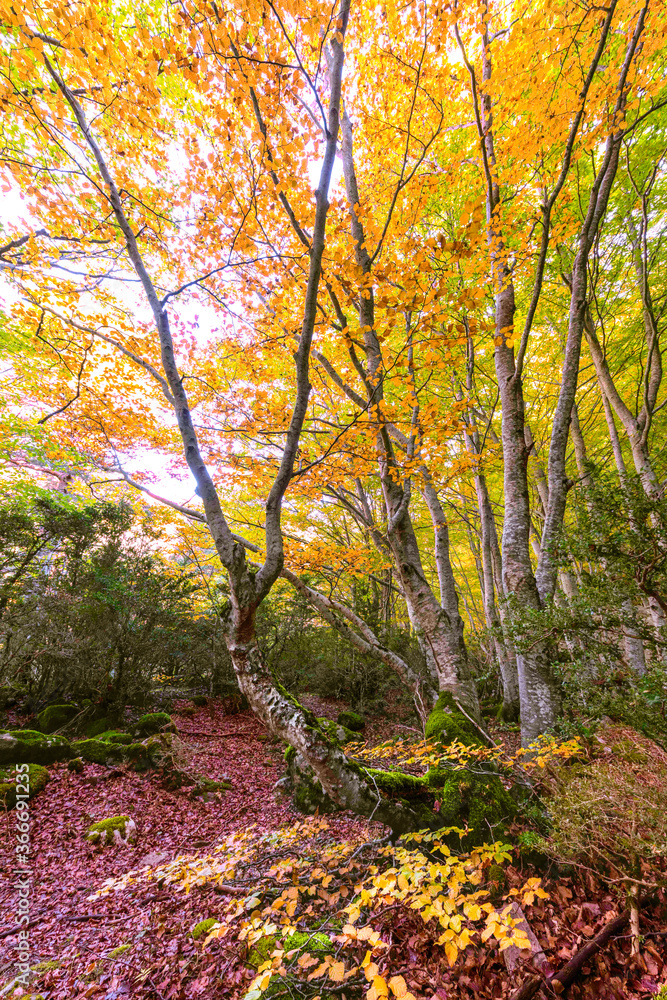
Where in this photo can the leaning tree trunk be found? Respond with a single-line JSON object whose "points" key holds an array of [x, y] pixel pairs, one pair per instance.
{"points": [[343, 780]]}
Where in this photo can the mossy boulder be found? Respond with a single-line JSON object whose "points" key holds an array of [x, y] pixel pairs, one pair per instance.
{"points": [[138, 756], [97, 751], [336, 732], [479, 801], [199, 700], [232, 699], [75, 765], [27, 746], [115, 736], [203, 927], [97, 727], [208, 789], [55, 717], [114, 830], [153, 723], [352, 720], [447, 724], [34, 780], [298, 942]]}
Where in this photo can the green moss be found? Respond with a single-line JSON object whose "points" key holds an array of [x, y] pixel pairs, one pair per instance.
{"points": [[200, 700], [203, 927], [152, 723], [120, 950], [480, 801], [290, 754], [206, 786], [97, 727], [103, 832], [35, 778], [447, 723], [115, 736], [55, 717], [397, 783], [352, 720], [45, 966], [97, 751], [75, 765], [317, 944], [335, 732], [27, 746]]}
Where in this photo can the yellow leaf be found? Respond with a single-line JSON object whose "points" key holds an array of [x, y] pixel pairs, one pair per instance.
{"points": [[370, 970], [337, 972], [451, 951], [398, 986], [380, 985]]}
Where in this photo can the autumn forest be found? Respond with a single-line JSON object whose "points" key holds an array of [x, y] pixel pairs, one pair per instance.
{"points": [[333, 522]]}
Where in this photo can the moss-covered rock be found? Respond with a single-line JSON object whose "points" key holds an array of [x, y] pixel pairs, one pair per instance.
{"points": [[336, 732], [152, 723], [447, 723], [34, 780], [138, 756], [316, 944], [203, 927], [75, 765], [114, 830], [55, 717], [97, 727], [199, 700], [114, 736], [352, 720], [27, 746], [479, 801], [207, 789], [97, 751]]}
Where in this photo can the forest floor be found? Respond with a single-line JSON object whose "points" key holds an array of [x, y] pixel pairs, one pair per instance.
{"points": [[73, 935]]}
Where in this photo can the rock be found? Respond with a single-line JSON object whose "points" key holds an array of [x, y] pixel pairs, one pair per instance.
{"points": [[114, 736], [34, 780], [337, 732], [114, 830], [97, 727], [27, 746], [97, 751], [55, 717], [75, 765], [200, 700], [352, 720], [479, 801], [231, 698], [152, 723]]}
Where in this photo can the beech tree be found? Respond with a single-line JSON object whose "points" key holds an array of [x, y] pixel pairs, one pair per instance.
{"points": [[318, 357]]}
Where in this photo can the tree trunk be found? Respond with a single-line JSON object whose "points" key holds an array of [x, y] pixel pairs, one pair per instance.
{"points": [[341, 779]]}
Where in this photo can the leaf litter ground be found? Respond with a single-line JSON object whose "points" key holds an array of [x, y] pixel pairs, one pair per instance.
{"points": [[73, 941]]}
